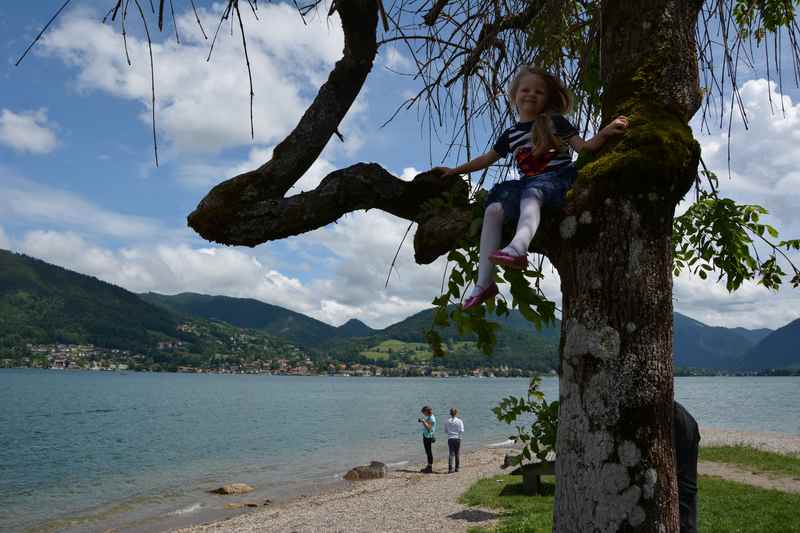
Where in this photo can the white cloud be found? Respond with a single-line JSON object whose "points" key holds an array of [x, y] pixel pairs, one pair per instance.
{"points": [[409, 173], [752, 306], [204, 175], [396, 60], [348, 285], [204, 106], [28, 201], [764, 171], [764, 157], [28, 131]]}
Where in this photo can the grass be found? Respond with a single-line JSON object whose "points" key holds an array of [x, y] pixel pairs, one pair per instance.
{"points": [[418, 351], [725, 507], [521, 513], [754, 460]]}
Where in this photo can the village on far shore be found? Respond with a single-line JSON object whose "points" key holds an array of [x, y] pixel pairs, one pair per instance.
{"points": [[90, 357]]}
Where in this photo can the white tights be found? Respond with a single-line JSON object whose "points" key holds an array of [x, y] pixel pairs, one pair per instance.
{"points": [[530, 209]]}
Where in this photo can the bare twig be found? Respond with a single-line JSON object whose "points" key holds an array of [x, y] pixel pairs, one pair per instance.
{"points": [[39, 35]]}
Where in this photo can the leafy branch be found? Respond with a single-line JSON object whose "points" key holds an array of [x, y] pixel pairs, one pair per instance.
{"points": [[718, 235], [540, 438]]}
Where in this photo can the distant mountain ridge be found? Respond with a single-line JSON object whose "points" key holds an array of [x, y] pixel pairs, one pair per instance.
{"points": [[41, 303], [44, 303], [246, 313], [780, 349]]}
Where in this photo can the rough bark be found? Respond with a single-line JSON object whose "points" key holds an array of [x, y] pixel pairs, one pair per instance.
{"points": [[615, 468]]}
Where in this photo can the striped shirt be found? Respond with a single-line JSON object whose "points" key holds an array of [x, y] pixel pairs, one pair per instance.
{"points": [[518, 141]]}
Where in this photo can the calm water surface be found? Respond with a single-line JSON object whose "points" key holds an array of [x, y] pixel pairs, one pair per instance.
{"points": [[84, 451]]}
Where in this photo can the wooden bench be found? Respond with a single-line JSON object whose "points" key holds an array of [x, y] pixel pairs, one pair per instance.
{"points": [[531, 475]]}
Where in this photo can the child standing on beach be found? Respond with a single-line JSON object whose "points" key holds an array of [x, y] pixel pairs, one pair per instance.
{"points": [[454, 427], [540, 144]]}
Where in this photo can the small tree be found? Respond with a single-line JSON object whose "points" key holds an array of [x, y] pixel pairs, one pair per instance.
{"points": [[538, 438]]}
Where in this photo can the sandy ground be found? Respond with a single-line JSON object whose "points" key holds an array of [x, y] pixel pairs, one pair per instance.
{"points": [[407, 501], [404, 501], [770, 442]]}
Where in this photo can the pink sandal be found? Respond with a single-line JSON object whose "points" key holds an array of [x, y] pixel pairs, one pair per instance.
{"points": [[488, 292], [519, 262]]}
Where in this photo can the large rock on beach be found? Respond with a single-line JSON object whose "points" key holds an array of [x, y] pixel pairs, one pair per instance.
{"points": [[233, 488], [374, 470]]}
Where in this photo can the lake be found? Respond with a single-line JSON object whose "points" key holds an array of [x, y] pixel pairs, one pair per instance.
{"points": [[87, 451]]}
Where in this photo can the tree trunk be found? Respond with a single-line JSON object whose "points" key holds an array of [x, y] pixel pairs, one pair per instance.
{"points": [[615, 466]]}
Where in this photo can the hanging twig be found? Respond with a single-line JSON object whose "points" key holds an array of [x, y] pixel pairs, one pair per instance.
{"points": [[249, 72], [197, 17], [394, 260], [60, 9], [152, 79]]}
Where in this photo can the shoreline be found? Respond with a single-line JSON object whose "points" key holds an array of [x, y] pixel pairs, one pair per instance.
{"points": [[407, 500]]}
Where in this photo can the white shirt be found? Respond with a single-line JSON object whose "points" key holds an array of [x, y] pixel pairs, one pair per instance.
{"points": [[454, 427]]}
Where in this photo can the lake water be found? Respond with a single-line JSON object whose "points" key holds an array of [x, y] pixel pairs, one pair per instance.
{"points": [[84, 451]]}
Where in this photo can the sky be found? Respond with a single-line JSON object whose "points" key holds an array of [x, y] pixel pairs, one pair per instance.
{"points": [[79, 187]]}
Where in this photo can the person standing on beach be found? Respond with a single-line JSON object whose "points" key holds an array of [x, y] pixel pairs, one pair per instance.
{"points": [[686, 441], [428, 437], [454, 427]]}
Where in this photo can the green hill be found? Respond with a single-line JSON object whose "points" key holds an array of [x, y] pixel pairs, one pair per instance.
{"points": [[519, 345], [247, 313], [43, 303]]}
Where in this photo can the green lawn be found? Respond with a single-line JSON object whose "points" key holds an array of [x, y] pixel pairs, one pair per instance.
{"points": [[418, 351], [753, 460], [725, 507]]}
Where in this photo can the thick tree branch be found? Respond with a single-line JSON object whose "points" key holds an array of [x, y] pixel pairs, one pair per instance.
{"points": [[360, 186], [295, 154]]}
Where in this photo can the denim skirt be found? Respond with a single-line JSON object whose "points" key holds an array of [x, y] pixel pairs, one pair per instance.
{"points": [[550, 187]]}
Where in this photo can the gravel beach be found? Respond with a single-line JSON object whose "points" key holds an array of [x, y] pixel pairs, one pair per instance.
{"points": [[407, 501], [404, 501]]}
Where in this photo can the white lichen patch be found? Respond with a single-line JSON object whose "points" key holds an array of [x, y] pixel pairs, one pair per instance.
{"points": [[568, 227], [615, 478], [586, 218], [610, 514], [630, 327], [629, 454], [602, 343], [649, 486]]}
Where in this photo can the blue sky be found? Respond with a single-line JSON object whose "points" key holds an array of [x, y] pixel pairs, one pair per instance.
{"points": [[79, 188]]}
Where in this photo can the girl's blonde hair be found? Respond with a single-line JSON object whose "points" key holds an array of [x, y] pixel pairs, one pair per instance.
{"points": [[558, 101], [453, 412]]}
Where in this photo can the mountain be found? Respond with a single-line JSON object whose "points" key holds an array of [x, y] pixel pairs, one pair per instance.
{"points": [[247, 313], [698, 345], [780, 349], [754, 335], [354, 328], [43, 303]]}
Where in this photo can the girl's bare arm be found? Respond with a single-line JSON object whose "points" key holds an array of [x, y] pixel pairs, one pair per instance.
{"points": [[617, 126], [479, 163]]}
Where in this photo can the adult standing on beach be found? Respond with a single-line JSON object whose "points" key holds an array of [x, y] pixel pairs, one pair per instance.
{"points": [[428, 437], [454, 427]]}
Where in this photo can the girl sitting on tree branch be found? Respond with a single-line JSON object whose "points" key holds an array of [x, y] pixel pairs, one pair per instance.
{"points": [[540, 144]]}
